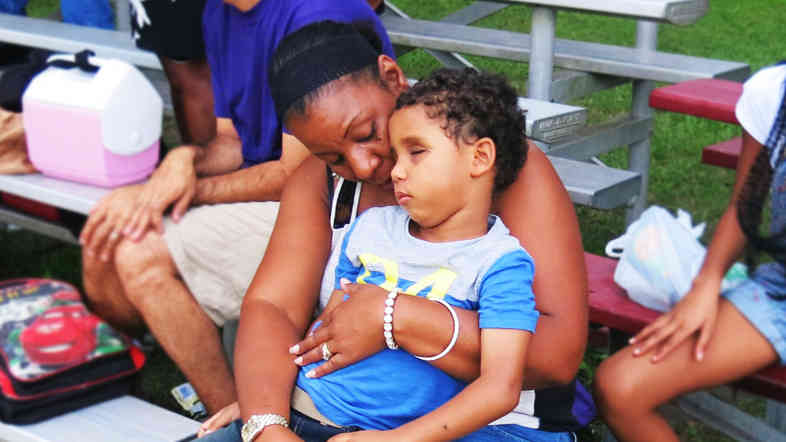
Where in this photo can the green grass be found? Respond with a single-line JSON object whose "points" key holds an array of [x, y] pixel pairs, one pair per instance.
{"points": [[749, 32]]}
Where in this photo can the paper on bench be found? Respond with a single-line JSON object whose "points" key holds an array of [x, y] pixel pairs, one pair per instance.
{"points": [[125, 419]]}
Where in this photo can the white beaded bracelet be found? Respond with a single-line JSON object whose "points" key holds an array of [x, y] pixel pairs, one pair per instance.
{"points": [[387, 324], [453, 339]]}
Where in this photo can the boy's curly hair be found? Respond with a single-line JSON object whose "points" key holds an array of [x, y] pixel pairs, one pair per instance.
{"points": [[475, 105]]}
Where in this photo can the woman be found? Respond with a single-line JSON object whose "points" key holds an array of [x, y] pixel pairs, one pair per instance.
{"points": [[709, 340], [342, 117]]}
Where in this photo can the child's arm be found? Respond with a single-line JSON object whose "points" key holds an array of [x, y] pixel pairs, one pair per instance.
{"points": [[494, 394], [491, 396], [697, 309]]}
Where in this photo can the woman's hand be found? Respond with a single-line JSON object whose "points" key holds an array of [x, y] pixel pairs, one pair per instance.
{"points": [[224, 417], [351, 327], [172, 184], [107, 221], [371, 436], [696, 311]]}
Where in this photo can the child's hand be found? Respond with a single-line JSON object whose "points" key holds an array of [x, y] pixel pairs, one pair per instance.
{"points": [[695, 312], [224, 416], [371, 435]]}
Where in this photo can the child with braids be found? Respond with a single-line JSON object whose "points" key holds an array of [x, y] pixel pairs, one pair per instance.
{"points": [[711, 338]]}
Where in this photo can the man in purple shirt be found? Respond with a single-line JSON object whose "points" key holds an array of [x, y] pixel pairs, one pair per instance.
{"points": [[182, 275]]}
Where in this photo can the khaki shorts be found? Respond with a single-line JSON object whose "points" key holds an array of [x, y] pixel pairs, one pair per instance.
{"points": [[217, 250]]}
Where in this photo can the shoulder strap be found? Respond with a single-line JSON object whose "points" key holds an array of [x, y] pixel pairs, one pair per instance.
{"points": [[344, 207]]}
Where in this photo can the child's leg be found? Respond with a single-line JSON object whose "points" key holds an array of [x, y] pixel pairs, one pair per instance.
{"points": [[628, 389]]}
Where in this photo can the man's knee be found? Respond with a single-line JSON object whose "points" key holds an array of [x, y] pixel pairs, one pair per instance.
{"points": [[143, 265], [94, 276]]}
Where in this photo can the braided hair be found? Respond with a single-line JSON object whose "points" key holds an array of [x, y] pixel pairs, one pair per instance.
{"points": [[754, 195]]}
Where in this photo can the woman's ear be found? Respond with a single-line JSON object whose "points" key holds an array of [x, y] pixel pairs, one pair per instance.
{"points": [[484, 153], [391, 74]]}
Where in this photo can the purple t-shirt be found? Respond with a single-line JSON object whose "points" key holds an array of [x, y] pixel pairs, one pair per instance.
{"points": [[239, 47]]}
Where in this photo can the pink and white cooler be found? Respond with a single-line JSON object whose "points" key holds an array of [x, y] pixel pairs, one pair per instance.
{"points": [[98, 128]]}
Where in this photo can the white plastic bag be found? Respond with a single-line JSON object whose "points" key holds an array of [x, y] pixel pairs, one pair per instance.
{"points": [[659, 256]]}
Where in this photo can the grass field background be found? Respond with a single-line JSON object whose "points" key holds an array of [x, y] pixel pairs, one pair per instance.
{"points": [[749, 31]]}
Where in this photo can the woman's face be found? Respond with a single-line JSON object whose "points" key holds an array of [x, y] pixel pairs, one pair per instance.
{"points": [[347, 127]]}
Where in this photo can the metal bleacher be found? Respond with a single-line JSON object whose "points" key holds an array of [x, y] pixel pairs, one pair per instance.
{"points": [[587, 183]]}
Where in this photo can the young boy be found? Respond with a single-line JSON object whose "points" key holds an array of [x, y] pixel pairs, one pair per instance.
{"points": [[458, 137]]}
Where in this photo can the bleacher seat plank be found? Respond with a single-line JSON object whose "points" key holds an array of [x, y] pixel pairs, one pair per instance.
{"points": [[596, 186], [69, 195], [713, 99], [568, 54], [66, 37], [608, 303], [679, 12], [723, 154]]}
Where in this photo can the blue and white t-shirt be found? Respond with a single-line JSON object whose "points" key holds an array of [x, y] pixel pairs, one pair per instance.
{"points": [[491, 274]]}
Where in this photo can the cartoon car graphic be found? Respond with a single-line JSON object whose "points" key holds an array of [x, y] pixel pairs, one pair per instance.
{"points": [[65, 296], [61, 335]]}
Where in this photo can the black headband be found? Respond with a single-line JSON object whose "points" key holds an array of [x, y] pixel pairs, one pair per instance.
{"points": [[318, 65]]}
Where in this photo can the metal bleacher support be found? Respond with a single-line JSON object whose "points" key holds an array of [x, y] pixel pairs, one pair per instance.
{"points": [[546, 121], [590, 66]]}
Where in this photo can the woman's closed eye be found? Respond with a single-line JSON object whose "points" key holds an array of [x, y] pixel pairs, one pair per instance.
{"points": [[371, 135]]}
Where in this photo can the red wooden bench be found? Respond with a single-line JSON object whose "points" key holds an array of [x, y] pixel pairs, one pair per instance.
{"points": [[711, 98]]}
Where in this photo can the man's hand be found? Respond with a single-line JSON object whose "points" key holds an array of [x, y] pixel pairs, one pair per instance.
{"points": [[107, 221], [172, 184]]}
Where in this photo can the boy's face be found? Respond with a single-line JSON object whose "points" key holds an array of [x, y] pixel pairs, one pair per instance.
{"points": [[432, 172]]}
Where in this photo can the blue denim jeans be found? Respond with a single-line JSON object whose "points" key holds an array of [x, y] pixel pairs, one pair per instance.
{"points": [[517, 433], [307, 428], [312, 431], [96, 13]]}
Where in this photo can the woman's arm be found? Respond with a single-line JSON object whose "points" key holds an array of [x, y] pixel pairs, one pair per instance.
{"points": [[538, 211], [279, 303]]}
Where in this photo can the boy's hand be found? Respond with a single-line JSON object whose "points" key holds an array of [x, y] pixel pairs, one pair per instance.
{"points": [[224, 417]]}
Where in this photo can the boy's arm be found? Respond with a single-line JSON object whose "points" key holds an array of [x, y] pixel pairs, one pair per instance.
{"points": [[491, 396], [494, 394]]}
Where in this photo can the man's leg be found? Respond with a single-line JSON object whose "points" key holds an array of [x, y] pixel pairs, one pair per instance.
{"points": [[150, 280], [106, 297], [192, 98]]}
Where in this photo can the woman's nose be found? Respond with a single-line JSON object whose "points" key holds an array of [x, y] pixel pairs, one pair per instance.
{"points": [[364, 164]]}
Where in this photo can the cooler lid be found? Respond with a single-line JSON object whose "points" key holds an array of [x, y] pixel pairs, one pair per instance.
{"points": [[129, 107]]}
